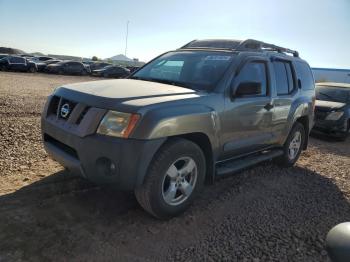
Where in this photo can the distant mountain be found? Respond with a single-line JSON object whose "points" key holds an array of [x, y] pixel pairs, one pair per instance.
{"points": [[120, 58], [11, 51], [37, 54]]}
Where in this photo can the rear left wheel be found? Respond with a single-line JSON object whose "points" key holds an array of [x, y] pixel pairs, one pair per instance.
{"points": [[174, 178]]}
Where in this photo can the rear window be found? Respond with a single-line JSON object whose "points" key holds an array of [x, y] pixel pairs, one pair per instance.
{"points": [[305, 75]]}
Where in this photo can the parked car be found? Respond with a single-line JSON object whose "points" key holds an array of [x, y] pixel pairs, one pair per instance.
{"points": [[132, 68], [112, 71], [332, 111], [98, 65], [42, 65], [38, 59], [68, 67], [17, 63], [197, 113]]}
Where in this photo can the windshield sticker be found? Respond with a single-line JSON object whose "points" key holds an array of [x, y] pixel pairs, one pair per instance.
{"points": [[218, 57]]}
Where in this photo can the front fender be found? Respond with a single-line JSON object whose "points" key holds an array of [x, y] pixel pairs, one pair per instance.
{"points": [[179, 120]]}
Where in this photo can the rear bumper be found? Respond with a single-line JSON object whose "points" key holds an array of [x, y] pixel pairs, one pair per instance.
{"points": [[119, 162]]}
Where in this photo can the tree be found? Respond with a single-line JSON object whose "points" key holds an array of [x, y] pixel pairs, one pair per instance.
{"points": [[94, 58]]}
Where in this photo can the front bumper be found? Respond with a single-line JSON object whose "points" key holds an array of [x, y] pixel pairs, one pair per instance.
{"points": [[121, 163], [335, 128]]}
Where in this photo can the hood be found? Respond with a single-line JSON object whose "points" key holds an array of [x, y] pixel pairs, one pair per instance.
{"points": [[322, 104], [128, 94]]}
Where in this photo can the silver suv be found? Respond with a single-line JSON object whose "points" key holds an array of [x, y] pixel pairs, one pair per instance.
{"points": [[191, 115]]}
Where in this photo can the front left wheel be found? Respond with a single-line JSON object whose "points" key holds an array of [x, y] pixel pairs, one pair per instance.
{"points": [[174, 178]]}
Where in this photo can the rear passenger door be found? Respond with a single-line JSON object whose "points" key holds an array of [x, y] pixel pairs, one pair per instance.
{"points": [[74, 67], [285, 90]]}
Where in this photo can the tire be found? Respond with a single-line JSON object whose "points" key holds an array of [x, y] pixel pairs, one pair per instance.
{"points": [[32, 70], [288, 158], [163, 195], [346, 134]]}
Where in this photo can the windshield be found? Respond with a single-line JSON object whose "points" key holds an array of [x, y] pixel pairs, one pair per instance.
{"points": [[332, 94], [199, 70]]}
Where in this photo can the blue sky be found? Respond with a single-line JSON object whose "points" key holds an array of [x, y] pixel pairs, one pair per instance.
{"points": [[318, 29]]}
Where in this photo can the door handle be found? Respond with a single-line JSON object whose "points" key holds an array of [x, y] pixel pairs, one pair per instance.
{"points": [[269, 106]]}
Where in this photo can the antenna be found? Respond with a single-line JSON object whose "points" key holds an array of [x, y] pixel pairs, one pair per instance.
{"points": [[126, 37]]}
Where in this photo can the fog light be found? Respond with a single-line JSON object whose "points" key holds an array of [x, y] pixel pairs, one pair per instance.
{"points": [[106, 167]]}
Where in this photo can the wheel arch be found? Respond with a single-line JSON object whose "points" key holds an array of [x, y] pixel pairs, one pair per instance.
{"points": [[304, 120], [200, 139]]}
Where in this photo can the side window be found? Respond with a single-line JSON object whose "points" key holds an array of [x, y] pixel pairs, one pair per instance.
{"points": [[291, 81], [305, 76], [18, 60], [284, 77], [254, 72]]}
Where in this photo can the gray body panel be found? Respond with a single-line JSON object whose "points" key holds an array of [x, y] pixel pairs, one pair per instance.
{"points": [[233, 126]]}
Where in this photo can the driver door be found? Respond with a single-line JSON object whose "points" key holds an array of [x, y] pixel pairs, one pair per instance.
{"points": [[248, 117]]}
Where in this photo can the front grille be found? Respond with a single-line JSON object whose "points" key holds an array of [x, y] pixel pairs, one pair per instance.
{"points": [[67, 149], [83, 113], [55, 101], [63, 109]]}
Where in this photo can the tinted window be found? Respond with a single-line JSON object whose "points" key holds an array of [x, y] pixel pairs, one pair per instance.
{"points": [[199, 70], [290, 77], [305, 75], [14, 59], [332, 94], [254, 72], [281, 77]]}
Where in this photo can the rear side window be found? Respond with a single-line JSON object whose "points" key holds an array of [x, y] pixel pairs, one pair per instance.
{"points": [[14, 59], [284, 77], [254, 72], [305, 76]]}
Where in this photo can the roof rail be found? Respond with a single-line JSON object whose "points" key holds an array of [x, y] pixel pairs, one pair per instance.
{"points": [[234, 45], [255, 44]]}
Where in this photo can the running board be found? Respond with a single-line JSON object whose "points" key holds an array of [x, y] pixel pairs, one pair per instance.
{"points": [[238, 164]]}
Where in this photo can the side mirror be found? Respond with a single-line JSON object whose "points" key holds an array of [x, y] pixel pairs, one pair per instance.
{"points": [[247, 89]]}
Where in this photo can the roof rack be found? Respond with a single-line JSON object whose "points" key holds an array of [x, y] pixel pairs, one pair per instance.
{"points": [[235, 45], [255, 44]]}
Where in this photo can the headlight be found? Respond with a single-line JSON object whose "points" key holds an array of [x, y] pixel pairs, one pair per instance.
{"points": [[117, 124], [334, 115]]}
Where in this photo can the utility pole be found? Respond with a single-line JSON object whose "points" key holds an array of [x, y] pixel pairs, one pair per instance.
{"points": [[126, 38]]}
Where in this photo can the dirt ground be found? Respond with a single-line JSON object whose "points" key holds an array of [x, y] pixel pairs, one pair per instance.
{"points": [[262, 214]]}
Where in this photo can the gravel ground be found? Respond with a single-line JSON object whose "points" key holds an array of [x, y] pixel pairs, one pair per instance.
{"points": [[262, 214]]}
